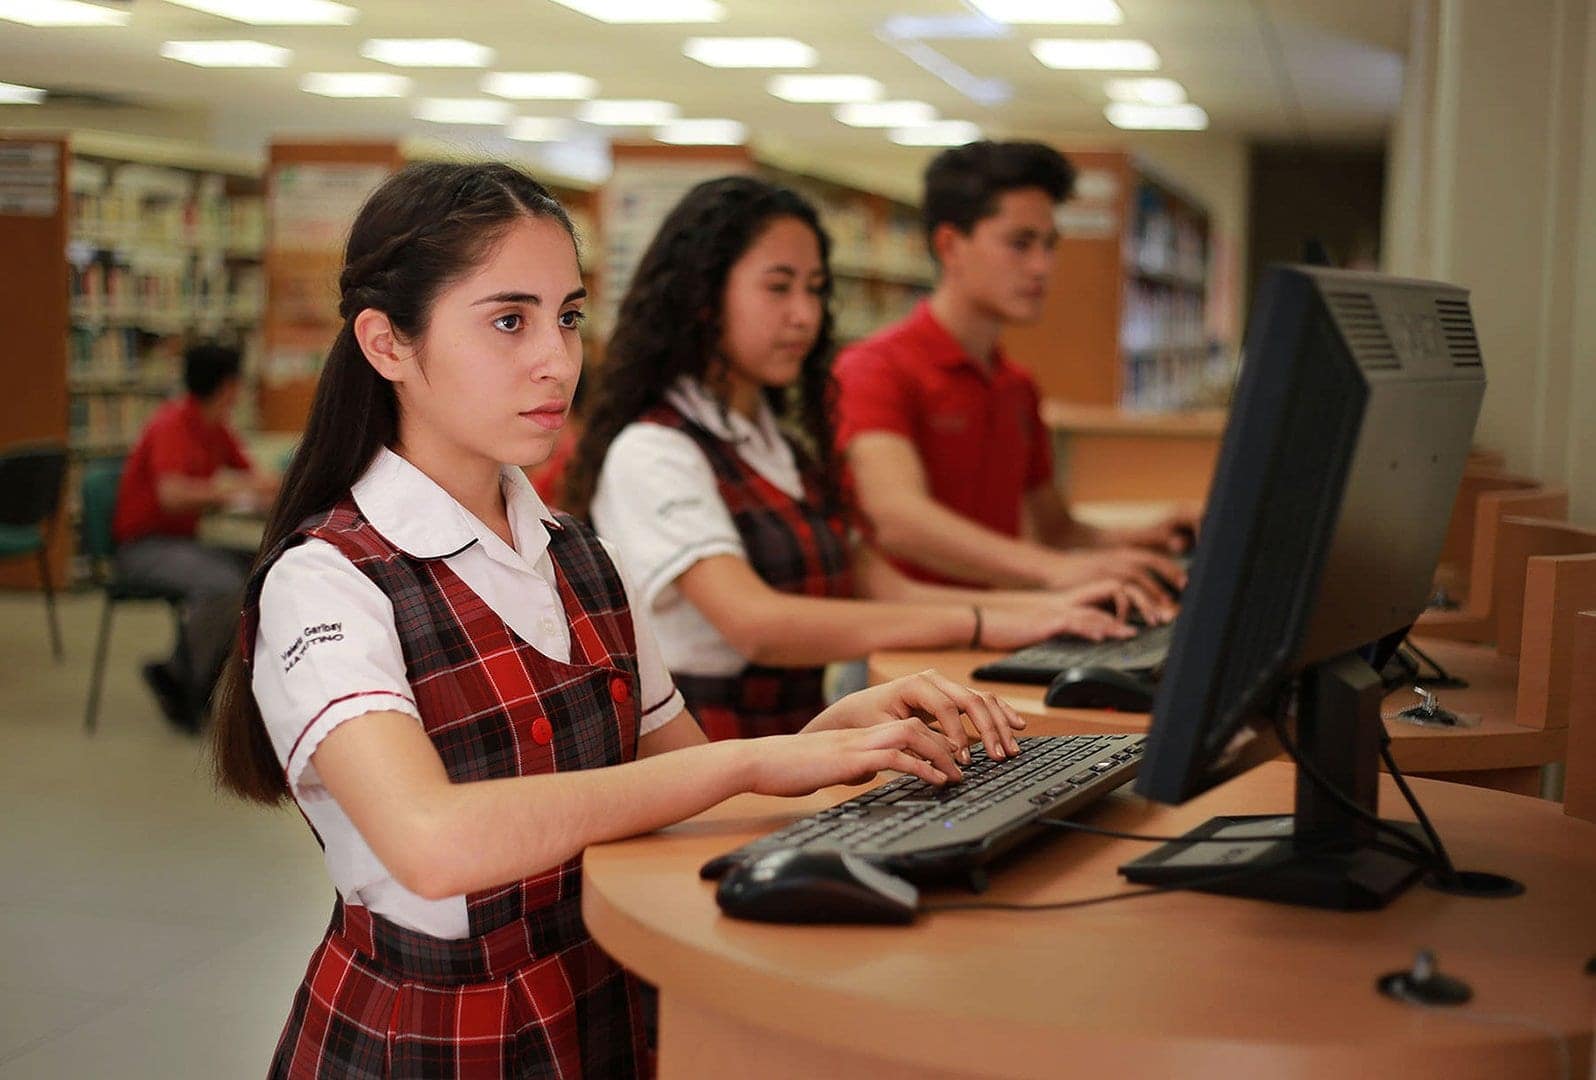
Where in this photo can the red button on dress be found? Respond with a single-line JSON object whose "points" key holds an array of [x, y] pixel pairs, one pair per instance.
{"points": [[620, 691], [542, 731]]}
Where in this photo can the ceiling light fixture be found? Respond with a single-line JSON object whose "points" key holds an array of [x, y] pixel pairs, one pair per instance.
{"points": [[61, 13], [940, 133], [427, 52], [628, 113], [540, 85], [885, 114], [825, 89], [276, 12], [1145, 91], [541, 129], [758, 52], [648, 11], [12, 94], [355, 84], [463, 111], [1057, 12], [1085, 54], [702, 133], [228, 54], [1133, 117]]}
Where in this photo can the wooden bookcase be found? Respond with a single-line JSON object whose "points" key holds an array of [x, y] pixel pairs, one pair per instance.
{"points": [[1125, 322], [149, 247]]}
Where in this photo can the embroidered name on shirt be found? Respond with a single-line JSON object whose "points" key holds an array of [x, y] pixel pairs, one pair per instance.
{"points": [[312, 635]]}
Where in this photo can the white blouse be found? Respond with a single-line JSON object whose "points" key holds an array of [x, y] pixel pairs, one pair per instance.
{"points": [[657, 501], [327, 651]]}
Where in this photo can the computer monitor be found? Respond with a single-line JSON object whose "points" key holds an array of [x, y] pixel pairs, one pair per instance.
{"points": [[1351, 422]]}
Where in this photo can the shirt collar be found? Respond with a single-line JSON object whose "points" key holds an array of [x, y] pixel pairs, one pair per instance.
{"points": [[424, 521], [940, 347], [693, 401]]}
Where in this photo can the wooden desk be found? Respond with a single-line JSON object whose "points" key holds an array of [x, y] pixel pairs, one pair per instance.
{"points": [[1498, 754], [1180, 984]]}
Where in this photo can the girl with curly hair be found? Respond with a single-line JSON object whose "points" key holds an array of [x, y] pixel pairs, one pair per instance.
{"points": [[708, 462]]}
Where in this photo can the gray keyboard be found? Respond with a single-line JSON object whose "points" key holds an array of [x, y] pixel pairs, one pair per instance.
{"points": [[1039, 663]]}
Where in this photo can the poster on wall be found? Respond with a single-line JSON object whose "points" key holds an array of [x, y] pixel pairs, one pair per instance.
{"points": [[313, 205]]}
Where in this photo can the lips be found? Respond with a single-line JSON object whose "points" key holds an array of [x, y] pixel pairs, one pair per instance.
{"points": [[550, 416]]}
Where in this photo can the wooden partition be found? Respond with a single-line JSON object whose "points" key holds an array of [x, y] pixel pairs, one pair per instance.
{"points": [[1457, 552], [1522, 543], [1556, 590], [1579, 777]]}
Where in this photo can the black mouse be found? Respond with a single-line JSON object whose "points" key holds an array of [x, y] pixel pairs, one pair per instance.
{"points": [[792, 885], [1099, 688]]}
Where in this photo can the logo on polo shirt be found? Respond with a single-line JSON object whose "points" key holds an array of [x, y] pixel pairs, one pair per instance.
{"points": [[319, 634]]}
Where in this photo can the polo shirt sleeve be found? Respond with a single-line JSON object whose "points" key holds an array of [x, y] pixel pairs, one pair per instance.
{"points": [[171, 451], [657, 503], [326, 651], [233, 455], [872, 395], [1039, 463], [661, 700]]}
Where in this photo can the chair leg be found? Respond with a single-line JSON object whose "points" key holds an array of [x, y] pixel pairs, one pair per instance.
{"points": [[49, 605], [92, 714]]}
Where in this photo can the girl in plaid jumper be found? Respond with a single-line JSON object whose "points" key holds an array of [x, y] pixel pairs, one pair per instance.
{"points": [[451, 681], [707, 460]]}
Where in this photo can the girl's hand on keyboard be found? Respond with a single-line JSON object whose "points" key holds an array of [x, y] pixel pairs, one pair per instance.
{"points": [[1077, 612], [815, 758], [933, 699]]}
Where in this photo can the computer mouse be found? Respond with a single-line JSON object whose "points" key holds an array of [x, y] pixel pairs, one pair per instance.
{"points": [[792, 885], [1099, 688]]}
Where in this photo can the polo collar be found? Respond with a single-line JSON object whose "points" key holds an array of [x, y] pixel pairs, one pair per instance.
{"points": [[940, 347], [424, 521]]}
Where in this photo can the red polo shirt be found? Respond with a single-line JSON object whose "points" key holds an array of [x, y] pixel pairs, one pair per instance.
{"points": [[978, 428], [177, 440]]}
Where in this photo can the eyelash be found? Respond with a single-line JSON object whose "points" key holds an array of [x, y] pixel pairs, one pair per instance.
{"points": [[576, 317]]}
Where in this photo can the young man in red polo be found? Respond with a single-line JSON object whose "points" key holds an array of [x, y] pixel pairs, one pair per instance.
{"points": [[187, 461], [943, 436]]}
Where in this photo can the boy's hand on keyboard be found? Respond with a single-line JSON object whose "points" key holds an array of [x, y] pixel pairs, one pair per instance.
{"points": [[930, 698], [815, 758]]}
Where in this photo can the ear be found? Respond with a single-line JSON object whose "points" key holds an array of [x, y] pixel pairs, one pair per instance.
{"points": [[946, 240], [381, 345]]}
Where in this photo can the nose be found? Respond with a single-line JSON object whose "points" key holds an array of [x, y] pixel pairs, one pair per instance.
{"points": [[555, 355]]}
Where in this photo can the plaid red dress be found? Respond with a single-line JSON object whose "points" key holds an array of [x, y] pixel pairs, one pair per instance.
{"points": [[795, 547], [528, 994]]}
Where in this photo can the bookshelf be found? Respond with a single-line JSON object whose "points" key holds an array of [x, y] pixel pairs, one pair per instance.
{"points": [[146, 247], [1125, 323]]}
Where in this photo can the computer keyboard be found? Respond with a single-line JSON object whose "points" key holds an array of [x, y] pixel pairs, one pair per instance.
{"points": [[1039, 663], [922, 832]]}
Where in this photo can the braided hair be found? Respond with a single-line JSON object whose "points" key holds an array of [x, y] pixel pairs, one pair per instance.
{"points": [[671, 322], [422, 229]]}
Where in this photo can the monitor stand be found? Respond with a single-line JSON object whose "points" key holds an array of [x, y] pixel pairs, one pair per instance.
{"points": [[1326, 856]]}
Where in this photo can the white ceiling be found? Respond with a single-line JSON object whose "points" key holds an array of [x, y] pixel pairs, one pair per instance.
{"points": [[1343, 59]]}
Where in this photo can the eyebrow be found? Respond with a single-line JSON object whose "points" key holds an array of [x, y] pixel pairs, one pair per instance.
{"points": [[783, 268], [531, 299]]}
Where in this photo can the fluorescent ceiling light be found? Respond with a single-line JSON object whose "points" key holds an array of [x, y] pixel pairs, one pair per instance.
{"points": [[12, 94], [628, 113], [1125, 114], [648, 11], [1078, 54], [1145, 91], [61, 13], [886, 114], [928, 27], [541, 128], [427, 52], [230, 54], [941, 133], [702, 133], [752, 52], [355, 84], [463, 110], [828, 89], [276, 12], [1077, 12], [540, 85]]}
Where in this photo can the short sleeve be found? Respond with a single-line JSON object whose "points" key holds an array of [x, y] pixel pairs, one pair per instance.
{"points": [[1039, 462], [170, 450], [661, 700], [233, 455], [872, 395], [326, 651], [658, 504]]}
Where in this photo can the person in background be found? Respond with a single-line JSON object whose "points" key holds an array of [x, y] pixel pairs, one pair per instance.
{"points": [[453, 683], [187, 462], [943, 436], [707, 461]]}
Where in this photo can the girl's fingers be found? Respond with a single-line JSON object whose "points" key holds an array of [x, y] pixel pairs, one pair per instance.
{"points": [[987, 712]]}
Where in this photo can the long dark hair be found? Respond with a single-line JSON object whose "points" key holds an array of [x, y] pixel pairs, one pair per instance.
{"points": [[670, 325], [423, 228]]}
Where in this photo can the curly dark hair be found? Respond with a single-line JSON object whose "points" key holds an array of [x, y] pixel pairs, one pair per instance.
{"points": [[670, 325]]}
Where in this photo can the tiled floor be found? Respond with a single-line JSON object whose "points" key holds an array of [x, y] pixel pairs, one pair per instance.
{"points": [[149, 925]]}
